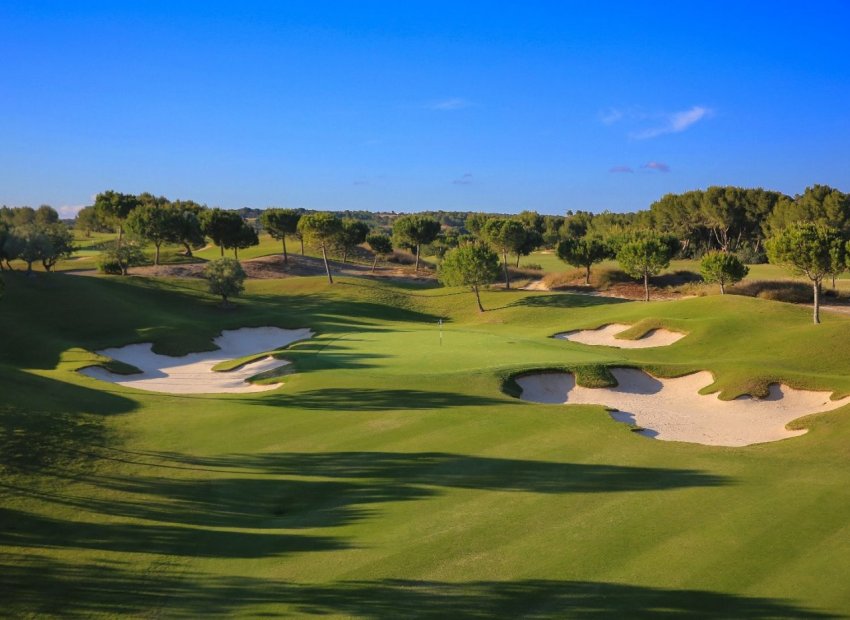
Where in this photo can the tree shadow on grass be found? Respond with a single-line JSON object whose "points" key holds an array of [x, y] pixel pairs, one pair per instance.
{"points": [[440, 469], [295, 490], [45, 422], [34, 531], [33, 585], [565, 300], [366, 399]]}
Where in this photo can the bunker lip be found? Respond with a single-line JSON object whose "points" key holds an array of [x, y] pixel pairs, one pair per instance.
{"points": [[673, 409], [606, 336], [193, 373]]}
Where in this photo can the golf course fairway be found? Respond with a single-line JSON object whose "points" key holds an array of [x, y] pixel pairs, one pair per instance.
{"points": [[395, 474]]}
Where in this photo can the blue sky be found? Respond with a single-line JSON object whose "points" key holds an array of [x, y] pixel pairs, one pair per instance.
{"points": [[420, 105]]}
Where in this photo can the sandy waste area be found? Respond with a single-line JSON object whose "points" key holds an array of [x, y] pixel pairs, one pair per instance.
{"points": [[193, 373], [673, 410]]}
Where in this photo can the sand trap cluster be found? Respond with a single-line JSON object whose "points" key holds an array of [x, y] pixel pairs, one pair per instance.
{"points": [[605, 336], [673, 410], [193, 373]]}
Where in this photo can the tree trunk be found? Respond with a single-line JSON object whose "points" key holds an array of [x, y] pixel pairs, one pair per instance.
{"points": [[478, 297], [29, 268], [833, 281], [302, 246], [517, 261], [587, 274], [722, 288], [327, 267], [646, 286], [417, 258], [236, 253], [221, 249], [120, 234], [816, 312], [507, 278], [285, 257], [188, 249], [156, 255], [344, 255], [374, 264]]}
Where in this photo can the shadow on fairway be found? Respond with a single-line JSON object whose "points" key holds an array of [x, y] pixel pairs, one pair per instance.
{"points": [[44, 422], [366, 399], [32, 531], [328, 490], [41, 586]]}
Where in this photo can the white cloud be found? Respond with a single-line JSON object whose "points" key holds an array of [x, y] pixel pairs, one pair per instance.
{"points": [[657, 166], [449, 105], [67, 212], [465, 179], [674, 123], [621, 169], [611, 116]]}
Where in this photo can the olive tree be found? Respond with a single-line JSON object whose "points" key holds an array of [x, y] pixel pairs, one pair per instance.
{"points": [[582, 252], [722, 268], [279, 223], [225, 277], [414, 231], [118, 259], [381, 245], [470, 265], [323, 230], [645, 255], [813, 250]]}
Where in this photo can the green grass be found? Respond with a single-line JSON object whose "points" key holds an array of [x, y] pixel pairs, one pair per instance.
{"points": [[391, 475]]}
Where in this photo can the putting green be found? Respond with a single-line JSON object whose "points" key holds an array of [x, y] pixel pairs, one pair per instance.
{"points": [[392, 477]]}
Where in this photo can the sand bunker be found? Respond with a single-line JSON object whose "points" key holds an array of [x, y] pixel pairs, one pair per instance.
{"points": [[673, 410], [605, 336], [193, 373]]}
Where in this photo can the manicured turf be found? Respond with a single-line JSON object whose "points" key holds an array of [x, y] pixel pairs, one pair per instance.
{"points": [[392, 477]]}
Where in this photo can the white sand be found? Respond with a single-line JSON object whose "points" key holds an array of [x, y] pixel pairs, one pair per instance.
{"points": [[672, 409], [193, 373], [605, 336]]}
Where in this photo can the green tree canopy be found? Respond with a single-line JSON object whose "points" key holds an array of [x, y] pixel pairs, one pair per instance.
{"points": [[813, 250], [583, 252], [414, 231], [225, 277], [353, 233], [645, 255], [506, 236], [323, 230], [114, 207], [279, 223], [722, 268], [155, 223], [381, 245], [473, 265], [223, 227]]}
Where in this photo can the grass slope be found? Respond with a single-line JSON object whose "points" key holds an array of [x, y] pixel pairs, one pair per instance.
{"points": [[391, 477]]}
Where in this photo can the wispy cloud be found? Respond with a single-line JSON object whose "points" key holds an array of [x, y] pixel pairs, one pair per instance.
{"points": [[465, 179], [657, 166], [674, 123], [449, 105], [610, 116], [621, 169]]}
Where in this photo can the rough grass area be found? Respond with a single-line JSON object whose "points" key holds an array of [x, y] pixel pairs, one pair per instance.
{"points": [[391, 476]]}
